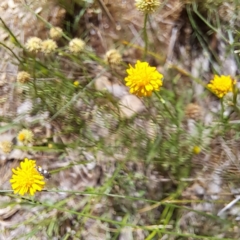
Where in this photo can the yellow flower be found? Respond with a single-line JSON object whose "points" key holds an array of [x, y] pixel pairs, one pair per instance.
{"points": [[56, 33], [76, 83], [25, 136], [221, 85], [143, 79], [48, 46], [196, 150], [33, 44], [76, 45], [26, 179], [147, 6], [23, 77]]}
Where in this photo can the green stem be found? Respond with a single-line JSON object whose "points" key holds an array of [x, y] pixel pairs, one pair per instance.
{"points": [[145, 36], [168, 211], [34, 78], [235, 95], [222, 110], [36, 88], [11, 33], [166, 107], [11, 52]]}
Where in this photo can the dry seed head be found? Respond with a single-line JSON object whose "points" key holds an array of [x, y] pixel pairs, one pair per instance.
{"points": [[113, 57], [33, 44], [226, 11], [48, 46], [147, 6], [23, 77], [55, 33], [76, 45], [6, 146], [193, 111]]}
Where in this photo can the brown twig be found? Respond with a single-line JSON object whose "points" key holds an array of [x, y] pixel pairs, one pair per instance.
{"points": [[105, 9]]}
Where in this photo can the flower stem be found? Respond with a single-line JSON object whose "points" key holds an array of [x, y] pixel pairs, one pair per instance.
{"points": [[222, 110], [166, 108], [37, 95], [34, 77], [145, 36], [235, 95]]}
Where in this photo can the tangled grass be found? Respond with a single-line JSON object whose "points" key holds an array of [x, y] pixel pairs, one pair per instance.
{"points": [[156, 159]]}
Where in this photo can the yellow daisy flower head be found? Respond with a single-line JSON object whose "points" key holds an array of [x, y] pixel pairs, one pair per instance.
{"points": [[26, 179], [147, 6], [143, 79], [25, 136], [221, 85], [76, 45], [33, 44], [48, 46]]}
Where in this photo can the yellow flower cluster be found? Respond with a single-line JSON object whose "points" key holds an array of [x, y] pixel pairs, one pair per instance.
{"points": [[147, 6], [221, 85], [143, 79], [26, 179]]}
